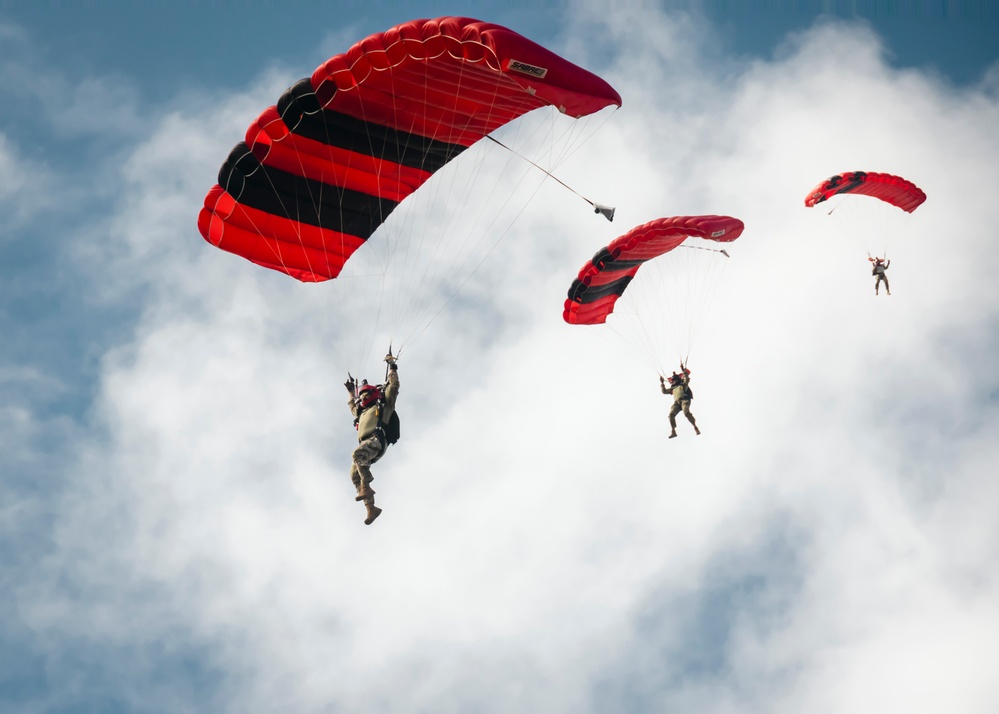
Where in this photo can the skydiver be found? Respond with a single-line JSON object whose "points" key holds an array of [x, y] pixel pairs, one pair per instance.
{"points": [[679, 387], [372, 407], [878, 271]]}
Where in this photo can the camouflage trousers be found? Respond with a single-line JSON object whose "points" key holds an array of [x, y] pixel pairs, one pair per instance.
{"points": [[878, 280], [683, 405], [367, 452]]}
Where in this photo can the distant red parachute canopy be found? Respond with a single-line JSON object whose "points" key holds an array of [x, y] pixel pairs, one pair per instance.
{"points": [[321, 170], [891, 189], [604, 279]]}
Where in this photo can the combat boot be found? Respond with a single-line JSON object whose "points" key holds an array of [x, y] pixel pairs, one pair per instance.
{"points": [[373, 511]]}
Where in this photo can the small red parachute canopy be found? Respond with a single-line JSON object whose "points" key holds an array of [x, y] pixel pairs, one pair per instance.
{"points": [[604, 279], [321, 170], [891, 189]]}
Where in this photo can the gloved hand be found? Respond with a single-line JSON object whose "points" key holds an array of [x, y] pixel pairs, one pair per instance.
{"points": [[350, 385]]}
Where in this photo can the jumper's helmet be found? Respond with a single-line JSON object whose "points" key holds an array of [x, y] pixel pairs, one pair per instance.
{"points": [[368, 395]]}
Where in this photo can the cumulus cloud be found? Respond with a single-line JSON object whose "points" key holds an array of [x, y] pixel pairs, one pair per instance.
{"points": [[825, 545]]}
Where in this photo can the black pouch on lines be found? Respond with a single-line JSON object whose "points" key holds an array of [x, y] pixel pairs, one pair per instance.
{"points": [[390, 429]]}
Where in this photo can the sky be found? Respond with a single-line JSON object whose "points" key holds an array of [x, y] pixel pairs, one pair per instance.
{"points": [[177, 526]]}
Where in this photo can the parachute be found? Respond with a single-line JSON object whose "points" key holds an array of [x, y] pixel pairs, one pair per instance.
{"points": [[873, 206], [319, 172], [662, 308], [895, 190], [351, 176]]}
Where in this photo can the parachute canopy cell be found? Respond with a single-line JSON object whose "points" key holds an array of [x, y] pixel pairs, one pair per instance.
{"points": [[604, 279], [891, 189], [323, 168]]}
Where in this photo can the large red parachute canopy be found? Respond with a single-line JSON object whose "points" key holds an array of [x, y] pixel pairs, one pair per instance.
{"points": [[891, 189], [604, 279], [321, 170]]}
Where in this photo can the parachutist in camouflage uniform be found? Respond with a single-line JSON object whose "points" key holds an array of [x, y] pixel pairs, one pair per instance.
{"points": [[679, 387], [372, 408], [880, 266]]}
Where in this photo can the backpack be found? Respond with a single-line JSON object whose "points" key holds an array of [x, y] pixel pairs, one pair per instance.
{"points": [[391, 428]]}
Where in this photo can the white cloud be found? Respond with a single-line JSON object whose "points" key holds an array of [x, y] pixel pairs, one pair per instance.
{"points": [[543, 546]]}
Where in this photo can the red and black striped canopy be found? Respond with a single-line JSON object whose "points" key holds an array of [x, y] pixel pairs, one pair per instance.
{"points": [[604, 279], [895, 190], [323, 168]]}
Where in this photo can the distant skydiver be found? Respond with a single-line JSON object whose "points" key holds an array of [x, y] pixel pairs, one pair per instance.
{"points": [[373, 409], [878, 271], [679, 387]]}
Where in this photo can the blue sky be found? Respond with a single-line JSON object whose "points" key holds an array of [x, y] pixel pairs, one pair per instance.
{"points": [[177, 526]]}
